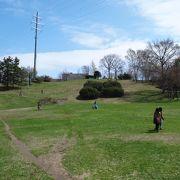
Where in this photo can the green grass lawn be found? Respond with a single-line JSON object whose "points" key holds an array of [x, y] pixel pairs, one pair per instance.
{"points": [[30, 95], [12, 165], [114, 142]]}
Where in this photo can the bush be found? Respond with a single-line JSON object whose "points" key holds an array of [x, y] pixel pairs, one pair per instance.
{"points": [[37, 80], [94, 84], [110, 83], [97, 74], [47, 78], [95, 89], [89, 93], [112, 92], [48, 100], [125, 76], [89, 77]]}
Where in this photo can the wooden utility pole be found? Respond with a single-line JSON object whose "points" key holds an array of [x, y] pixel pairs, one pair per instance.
{"points": [[36, 28]]}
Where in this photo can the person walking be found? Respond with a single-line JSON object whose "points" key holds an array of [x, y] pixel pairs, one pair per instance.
{"points": [[95, 106], [162, 118], [157, 119], [38, 105]]}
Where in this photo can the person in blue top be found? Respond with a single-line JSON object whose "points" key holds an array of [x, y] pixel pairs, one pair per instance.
{"points": [[95, 106]]}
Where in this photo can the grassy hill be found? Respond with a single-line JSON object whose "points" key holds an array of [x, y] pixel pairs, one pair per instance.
{"points": [[69, 90], [30, 95], [116, 141]]}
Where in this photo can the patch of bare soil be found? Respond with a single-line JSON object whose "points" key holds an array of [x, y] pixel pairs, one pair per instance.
{"points": [[83, 176], [54, 158], [165, 138], [17, 109], [161, 137]]}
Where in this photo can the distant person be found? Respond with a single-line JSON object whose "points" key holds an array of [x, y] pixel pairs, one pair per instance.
{"points": [[162, 118], [42, 91], [95, 106], [38, 105], [20, 93], [157, 119]]}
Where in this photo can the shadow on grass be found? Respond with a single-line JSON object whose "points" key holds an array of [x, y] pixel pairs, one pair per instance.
{"points": [[2, 88], [151, 131], [145, 96]]}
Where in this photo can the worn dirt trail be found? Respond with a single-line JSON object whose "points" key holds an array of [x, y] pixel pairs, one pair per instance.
{"points": [[51, 167]]}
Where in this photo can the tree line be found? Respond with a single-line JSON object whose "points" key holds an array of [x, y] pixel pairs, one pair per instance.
{"points": [[158, 63]]}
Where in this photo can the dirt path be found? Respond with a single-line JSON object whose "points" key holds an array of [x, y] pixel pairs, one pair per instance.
{"points": [[50, 167], [15, 109]]}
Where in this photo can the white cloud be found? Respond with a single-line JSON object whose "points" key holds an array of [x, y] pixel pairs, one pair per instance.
{"points": [[52, 63], [98, 36], [15, 7], [164, 13], [90, 40]]}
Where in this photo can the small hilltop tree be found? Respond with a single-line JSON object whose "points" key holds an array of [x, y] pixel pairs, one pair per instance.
{"points": [[10, 72], [97, 74]]}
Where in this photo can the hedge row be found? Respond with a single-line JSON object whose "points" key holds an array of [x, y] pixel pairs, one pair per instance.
{"points": [[95, 89]]}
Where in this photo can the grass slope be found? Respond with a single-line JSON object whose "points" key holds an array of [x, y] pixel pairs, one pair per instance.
{"points": [[12, 164], [114, 142], [30, 95]]}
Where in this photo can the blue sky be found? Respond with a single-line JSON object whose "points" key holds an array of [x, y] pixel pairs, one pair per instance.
{"points": [[75, 32]]}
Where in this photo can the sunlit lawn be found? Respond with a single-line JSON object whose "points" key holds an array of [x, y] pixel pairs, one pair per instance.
{"points": [[116, 141], [113, 142]]}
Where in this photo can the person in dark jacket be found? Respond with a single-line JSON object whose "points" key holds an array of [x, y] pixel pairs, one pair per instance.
{"points": [[157, 119]]}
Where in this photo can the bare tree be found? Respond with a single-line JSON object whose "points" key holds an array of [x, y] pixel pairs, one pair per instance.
{"points": [[118, 65], [147, 67], [134, 63], [163, 53], [107, 63], [85, 69], [176, 71], [92, 67], [63, 75], [173, 79]]}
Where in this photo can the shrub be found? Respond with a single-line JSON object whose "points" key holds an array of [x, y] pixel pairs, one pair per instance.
{"points": [[97, 74], [37, 80], [47, 78], [94, 84], [124, 76], [111, 83], [112, 92], [48, 100], [89, 77], [95, 89], [89, 93]]}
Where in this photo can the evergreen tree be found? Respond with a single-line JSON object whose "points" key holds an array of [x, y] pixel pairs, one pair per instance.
{"points": [[97, 74], [10, 72]]}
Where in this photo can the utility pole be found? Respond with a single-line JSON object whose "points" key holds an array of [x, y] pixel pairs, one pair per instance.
{"points": [[36, 27]]}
